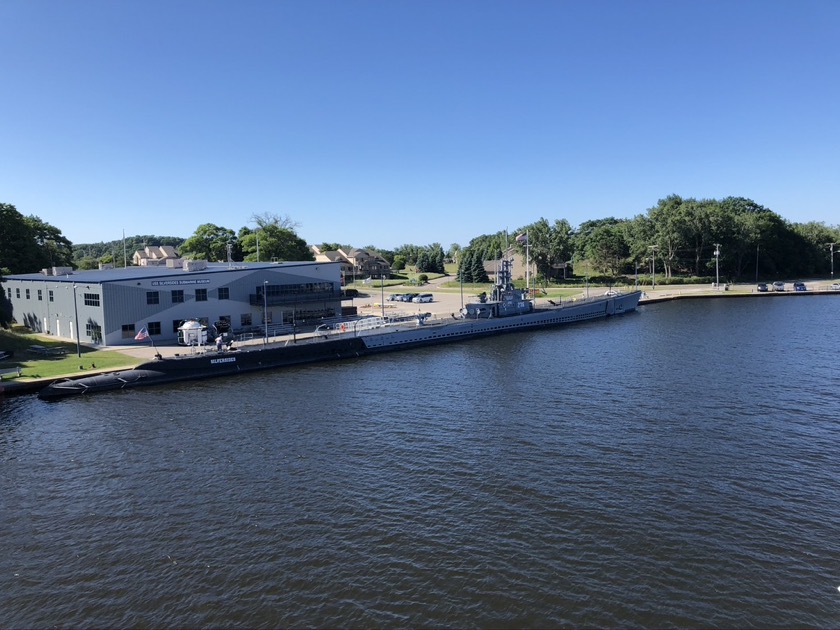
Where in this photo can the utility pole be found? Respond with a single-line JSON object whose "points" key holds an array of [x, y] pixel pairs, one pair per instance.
{"points": [[831, 249], [717, 272]]}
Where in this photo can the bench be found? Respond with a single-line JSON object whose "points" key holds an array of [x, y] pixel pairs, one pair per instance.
{"points": [[10, 372]]}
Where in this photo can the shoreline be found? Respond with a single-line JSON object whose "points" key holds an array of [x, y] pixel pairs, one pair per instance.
{"points": [[443, 306]]}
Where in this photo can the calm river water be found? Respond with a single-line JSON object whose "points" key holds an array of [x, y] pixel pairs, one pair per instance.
{"points": [[673, 467]]}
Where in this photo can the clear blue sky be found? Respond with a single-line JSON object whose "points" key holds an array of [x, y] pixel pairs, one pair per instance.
{"points": [[412, 121]]}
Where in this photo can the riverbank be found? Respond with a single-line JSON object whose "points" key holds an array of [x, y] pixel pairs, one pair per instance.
{"points": [[445, 304]]}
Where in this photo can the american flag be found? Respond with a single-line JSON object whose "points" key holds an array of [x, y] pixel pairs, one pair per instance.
{"points": [[143, 334], [522, 238]]}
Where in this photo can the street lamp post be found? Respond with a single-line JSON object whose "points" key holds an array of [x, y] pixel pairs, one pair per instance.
{"points": [[76, 315], [717, 259], [48, 323], [652, 248], [265, 311], [831, 249]]}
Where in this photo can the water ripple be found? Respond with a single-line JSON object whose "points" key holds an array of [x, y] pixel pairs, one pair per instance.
{"points": [[674, 468]]}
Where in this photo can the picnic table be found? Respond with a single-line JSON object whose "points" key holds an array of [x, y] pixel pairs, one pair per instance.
{"points": [[43, 350]]}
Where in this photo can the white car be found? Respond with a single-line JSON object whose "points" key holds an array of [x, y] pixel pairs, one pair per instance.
{"points": [[835, 286], [423, 297]]}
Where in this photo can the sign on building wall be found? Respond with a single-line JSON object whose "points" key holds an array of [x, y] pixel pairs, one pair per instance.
{"points": [[167, 283]]}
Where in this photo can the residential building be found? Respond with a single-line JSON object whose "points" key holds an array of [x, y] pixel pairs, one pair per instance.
{"points": [[154, 255], [356, 263]]}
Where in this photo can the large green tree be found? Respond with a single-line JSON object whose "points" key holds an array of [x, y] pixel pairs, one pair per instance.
{"points": [[275, 244], [606, 248], [5, 307], [669, 236], [274, 239], [549, 246], [28, 244], [209, 243]]}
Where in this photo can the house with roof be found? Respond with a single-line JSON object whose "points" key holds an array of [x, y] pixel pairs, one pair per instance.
{"points": [[355, 262], [518, 267], [154, 255]]}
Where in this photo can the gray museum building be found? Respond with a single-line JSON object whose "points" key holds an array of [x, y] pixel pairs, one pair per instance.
{"points": [[110, 306]]}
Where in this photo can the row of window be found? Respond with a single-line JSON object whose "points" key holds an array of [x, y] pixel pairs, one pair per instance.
{"points": [[177, 296], [155, 328], [245, 321], [152, 297], [28, 296], [91, 299], [296, 289]]}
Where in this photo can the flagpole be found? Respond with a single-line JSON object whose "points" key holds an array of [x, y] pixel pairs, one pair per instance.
{"points": [[527, 264]]}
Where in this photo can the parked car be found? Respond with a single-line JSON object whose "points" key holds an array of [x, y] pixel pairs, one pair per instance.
{"points": [[423, 297], [799, 286], [762, 287], [835, 286], [778, 286]]}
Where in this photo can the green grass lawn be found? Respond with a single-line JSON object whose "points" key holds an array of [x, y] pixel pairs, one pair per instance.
{"points": [[39, 366]]}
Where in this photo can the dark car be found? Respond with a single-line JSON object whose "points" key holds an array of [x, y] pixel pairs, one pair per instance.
{"points": [[799, 286], [762, 287]]}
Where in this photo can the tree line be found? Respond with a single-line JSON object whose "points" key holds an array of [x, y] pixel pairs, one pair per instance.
{"points": [[734, 238], [677, 237]]}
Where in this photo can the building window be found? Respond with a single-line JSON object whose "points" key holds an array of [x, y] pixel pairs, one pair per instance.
{"points": [[49, 293], [176, 324], [154, 328], [152, 297], [177, 296], [245, 319], [40, 295], [17, 293], [94, 332], [224, 293], [201, 295], [91, 299], [128, 331], [27, 294]]}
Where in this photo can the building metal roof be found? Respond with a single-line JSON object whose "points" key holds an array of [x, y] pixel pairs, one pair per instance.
{"points": [[101, 276]]}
